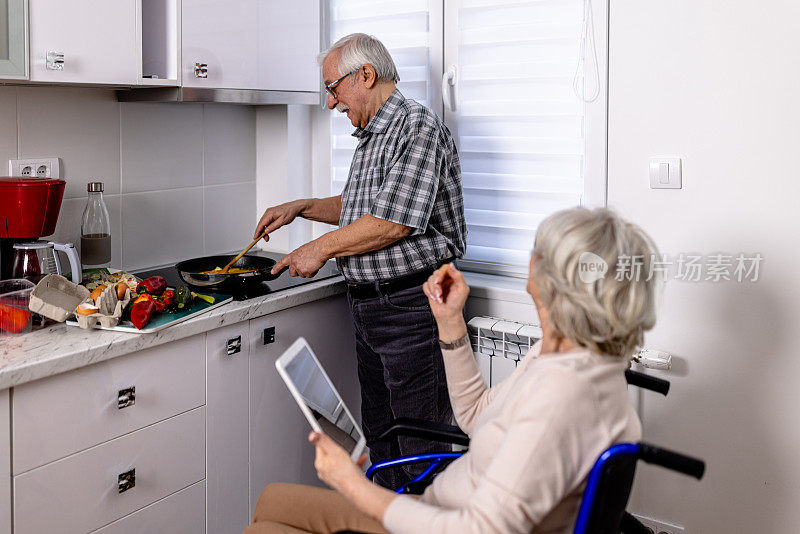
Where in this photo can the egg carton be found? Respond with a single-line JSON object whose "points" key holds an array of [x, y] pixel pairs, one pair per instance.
{"points": [[110, 309]]}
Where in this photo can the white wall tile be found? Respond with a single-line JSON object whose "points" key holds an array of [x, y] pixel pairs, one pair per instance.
{"points": [[8, 127], [79, 125], [230, 217], [155, 155], [68, 228], [229, 139], [162, 146], [161, 227]]}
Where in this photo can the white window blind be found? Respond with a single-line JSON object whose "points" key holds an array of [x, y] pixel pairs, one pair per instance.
{"points": [[401, 25], [529, 146], [518, 123]]}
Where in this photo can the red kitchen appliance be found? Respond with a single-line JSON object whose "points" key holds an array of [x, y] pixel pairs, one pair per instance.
{"points": [[29, 210]]}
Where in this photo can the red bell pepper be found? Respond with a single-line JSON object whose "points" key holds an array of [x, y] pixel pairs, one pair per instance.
{"points": [[13, 319], [155, 285], [142, 312]]}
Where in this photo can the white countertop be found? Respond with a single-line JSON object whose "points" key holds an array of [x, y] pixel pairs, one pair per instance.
{"points": [[59, 348]]}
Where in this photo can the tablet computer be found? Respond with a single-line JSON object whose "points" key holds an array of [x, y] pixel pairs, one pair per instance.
{"points": [[318, 399]]}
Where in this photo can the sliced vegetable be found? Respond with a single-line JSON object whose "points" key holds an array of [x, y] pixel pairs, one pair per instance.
{"points": [[207, 298], [142, 312], [144, 297], [155, 285], [164, 300], [13, 319]]}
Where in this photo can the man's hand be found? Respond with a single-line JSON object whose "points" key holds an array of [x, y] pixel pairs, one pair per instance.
{"points": [[304, 261], [278, 216]]}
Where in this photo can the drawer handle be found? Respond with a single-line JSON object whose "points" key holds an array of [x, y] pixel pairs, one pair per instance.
{"points": [[269, 335], [234, 346], [126, 397], [201, 70], [126, 480]]}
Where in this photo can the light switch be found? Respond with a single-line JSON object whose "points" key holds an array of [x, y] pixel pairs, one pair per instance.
{"points": [[665, 173]]}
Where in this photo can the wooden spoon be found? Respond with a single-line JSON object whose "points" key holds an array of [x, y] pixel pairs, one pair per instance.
{"points": [[242, 253]]}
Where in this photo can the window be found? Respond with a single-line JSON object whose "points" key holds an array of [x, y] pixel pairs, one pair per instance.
{"points": [[401, 25], [529, 142]]}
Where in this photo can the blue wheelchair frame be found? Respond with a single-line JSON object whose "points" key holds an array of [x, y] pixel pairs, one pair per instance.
{"points": [[613, 472]]}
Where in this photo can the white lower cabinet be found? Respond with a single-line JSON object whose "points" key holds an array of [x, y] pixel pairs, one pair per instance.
{"points": [[279, 448], [180, 513], [199, 425], [88, 490], [227, 432], [66, 413]]}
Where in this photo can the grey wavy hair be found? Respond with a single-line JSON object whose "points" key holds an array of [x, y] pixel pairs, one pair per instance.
{"points": [[609, 314], [358, 49]]}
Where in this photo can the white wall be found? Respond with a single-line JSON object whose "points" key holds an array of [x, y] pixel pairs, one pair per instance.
{"points": [[179, 178], [716, 83], [293, 161]]}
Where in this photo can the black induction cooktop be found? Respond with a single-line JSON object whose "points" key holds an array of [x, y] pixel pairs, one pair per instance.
{"points": [[284, 281]]}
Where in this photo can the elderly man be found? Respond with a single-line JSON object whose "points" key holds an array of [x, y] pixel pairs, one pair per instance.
{"points": [[400, 216]]}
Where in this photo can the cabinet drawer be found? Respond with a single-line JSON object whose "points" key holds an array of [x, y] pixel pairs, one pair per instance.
{"points": [[181, 513], [81, 493], [64, 414]]}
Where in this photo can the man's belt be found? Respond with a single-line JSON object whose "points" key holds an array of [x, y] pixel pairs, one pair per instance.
{"points": [[376, 289]]}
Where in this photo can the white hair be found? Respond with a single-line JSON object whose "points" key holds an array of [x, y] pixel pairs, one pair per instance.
{"points": [[607, 314], [359, 49]]}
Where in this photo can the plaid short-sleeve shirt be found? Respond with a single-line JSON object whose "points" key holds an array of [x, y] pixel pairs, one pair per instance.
{"points": [[405, 170]]}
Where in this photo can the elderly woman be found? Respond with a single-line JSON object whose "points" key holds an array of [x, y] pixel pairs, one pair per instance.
{"points": [[535, 436]]}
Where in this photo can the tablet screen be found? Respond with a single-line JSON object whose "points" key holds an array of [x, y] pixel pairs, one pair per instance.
{"points": [[322, 400]]}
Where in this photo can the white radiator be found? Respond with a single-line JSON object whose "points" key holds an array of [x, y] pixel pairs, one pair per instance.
{"points": [[499, 344]]}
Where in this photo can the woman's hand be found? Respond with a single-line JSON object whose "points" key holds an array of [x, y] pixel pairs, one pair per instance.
{"points": [[337, 470], [447, 293], [334, 466]]}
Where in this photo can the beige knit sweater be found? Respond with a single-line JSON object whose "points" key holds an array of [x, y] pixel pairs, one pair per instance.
{"points": [[534, 439]]}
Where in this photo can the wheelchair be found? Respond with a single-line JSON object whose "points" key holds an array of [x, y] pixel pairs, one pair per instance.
{"points": [[608, 486]]}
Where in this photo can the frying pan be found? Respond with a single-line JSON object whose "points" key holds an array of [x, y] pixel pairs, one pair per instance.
{"points": [[189, 271]]}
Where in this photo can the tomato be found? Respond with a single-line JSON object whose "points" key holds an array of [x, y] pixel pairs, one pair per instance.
{"points": [[13, 319]]}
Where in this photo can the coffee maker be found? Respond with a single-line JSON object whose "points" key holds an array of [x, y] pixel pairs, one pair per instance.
{"points": [[29, 209]]}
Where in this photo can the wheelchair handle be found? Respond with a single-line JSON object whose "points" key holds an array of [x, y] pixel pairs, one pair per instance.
{"points": [[672, 460], [642, 380]]}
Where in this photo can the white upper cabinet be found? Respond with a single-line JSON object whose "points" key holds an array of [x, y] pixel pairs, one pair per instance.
{"points": [[288, 44], [219, 43], [84, 41], [251, 44], [13, 39]]}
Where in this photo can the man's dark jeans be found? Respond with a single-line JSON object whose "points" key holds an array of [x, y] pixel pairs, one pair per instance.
{"points": [[401, 371]]}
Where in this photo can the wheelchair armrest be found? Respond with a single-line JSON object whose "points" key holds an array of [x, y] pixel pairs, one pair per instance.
{"points": [[417, 428], [672, 460], [642, 380]]}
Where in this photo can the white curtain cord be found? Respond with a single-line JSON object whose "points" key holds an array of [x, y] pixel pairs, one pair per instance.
{"points": [[587, 47]]}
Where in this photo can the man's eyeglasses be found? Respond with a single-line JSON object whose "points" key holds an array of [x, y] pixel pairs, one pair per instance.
{"points": [[331, 87]]}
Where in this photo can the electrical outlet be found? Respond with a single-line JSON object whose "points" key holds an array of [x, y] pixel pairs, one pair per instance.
{"points": [[659, 527], [38, 167]]}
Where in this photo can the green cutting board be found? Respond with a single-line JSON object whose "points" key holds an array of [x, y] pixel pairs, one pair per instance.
{"points": [[160, 321]]}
